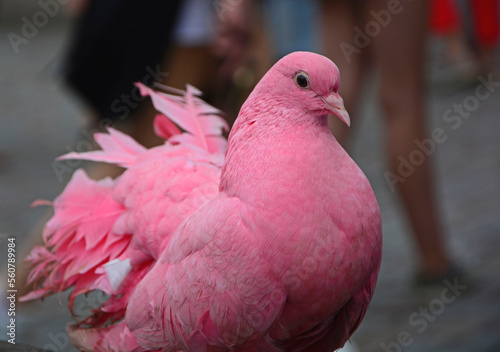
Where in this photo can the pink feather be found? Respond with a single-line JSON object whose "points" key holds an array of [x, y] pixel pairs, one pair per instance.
{"points": [[117, 148], [164, 127], [273, 245], [97, 218], [84, 216], [191, 114]]}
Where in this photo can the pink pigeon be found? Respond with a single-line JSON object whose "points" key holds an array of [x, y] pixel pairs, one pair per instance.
{"points": [[271, 245]]}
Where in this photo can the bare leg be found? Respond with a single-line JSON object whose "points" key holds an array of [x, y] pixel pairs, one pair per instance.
{"points": [[339, 19], [399, 51]]}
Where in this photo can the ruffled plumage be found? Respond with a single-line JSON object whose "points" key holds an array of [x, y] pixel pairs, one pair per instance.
{"points": [[124, 222], [273, 245]]}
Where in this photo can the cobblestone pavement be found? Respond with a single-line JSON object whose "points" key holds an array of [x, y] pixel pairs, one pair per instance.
{"points": [[39, 120]]}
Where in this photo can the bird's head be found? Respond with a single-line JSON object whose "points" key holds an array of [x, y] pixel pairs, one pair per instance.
{"points": [[305, 81]]}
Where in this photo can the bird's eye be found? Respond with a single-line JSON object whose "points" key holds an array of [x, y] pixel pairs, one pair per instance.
{"points": [[302, 80]]}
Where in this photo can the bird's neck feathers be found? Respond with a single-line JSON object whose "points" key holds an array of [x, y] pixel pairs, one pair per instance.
{"points": [[270, 111], [273, 141]]}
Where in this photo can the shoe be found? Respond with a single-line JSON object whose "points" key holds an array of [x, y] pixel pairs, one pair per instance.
{"points": [[422, 280]]}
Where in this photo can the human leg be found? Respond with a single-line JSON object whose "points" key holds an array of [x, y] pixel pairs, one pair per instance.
{"points": [[399, 52]]}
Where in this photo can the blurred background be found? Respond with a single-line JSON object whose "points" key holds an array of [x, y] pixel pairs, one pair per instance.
{"points": [[66, 71]]}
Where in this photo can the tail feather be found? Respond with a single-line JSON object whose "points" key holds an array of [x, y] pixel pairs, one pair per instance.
{"points": [[84, 215], [106, 235], [113, 309], [214, 144], [112, 338], [117, 148], [164, 127], [192, 114]]}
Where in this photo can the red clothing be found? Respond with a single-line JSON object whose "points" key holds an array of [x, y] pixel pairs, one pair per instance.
{"points": [[486, 23], [445, 18]]}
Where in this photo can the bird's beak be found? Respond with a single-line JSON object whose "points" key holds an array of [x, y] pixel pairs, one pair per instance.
{"points": [[335, 104]]}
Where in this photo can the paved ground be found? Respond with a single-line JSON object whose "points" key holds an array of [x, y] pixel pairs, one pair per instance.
{"points": [[39, 120]]}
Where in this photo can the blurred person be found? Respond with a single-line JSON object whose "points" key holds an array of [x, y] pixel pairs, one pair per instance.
{"points": [[470, 33], [486, 31], [115, 44], [397, 51], [120, 42], [286, 35], [242, 51], [456, 62]]}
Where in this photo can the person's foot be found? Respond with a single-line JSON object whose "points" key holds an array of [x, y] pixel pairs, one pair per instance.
{"points": [[429, 280], [444, 287], [454, 68]]}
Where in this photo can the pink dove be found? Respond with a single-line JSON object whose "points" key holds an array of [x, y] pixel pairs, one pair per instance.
{"points": [[271, 245]]}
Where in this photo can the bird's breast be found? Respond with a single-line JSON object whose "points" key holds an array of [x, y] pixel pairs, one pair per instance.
{"points": [[312, 210], [318, 222]]}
